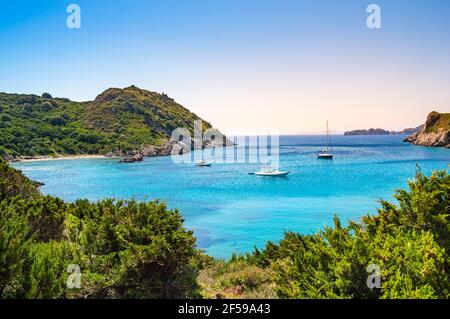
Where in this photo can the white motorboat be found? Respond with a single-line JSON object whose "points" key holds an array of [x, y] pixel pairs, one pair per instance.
{"points": [[271, 171]]}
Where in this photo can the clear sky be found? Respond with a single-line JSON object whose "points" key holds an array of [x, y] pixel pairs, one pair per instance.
{"points": [[241, 64]]}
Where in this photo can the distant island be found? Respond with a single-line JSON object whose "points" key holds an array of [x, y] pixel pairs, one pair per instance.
{"points": [[130, 122], [380, 131], [435, 132]]}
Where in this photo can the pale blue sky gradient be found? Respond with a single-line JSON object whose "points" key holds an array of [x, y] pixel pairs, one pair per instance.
{"points": [[281, 64]]}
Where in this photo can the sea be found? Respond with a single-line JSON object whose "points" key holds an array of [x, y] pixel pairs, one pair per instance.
{"points": [[231, 211]]}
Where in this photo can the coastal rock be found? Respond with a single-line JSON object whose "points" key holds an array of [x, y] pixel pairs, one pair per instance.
{"points": [[435, 133], [161, 150], [132, 159], [380, 131], [372, 131]]}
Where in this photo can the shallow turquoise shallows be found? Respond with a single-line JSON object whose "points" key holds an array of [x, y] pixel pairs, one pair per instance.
{"points": [[231, 211]]}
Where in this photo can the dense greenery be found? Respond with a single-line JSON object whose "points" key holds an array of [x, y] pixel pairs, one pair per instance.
{"points": [[409, 243], [125, 249], [437, 121], [119, 120], [128, 249], [13, 183]]}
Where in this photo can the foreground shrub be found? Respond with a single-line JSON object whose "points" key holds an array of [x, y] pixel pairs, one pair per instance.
{"points": [[409, 244], [125, 249], [141, 249], [236, 278]]}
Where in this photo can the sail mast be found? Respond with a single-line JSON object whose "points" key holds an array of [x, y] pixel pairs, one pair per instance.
{"points": [[329, 138]]}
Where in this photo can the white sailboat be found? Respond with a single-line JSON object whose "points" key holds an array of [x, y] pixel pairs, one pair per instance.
{"points": [[203, 163], [327, 153]]}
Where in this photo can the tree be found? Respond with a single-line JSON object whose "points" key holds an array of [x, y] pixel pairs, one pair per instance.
{"points": [[409, 243], [144, 248]]}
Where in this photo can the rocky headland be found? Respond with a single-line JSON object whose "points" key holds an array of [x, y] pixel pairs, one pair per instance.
{"points": [[436, 131]]}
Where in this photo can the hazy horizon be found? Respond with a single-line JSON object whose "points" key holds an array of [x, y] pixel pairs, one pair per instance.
{"points": [[286, 65]]}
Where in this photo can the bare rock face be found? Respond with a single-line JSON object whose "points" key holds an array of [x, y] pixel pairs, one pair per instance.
{"points": [[436, 131], [162, 150], [132, 158], [436, 139]]}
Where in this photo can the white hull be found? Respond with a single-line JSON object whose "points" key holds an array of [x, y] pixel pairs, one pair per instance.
{"points": [[325, 155], [204, 165], [273, 174]]}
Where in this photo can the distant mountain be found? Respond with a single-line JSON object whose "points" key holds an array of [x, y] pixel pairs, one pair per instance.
{"points": [[380, 131], [436, 131], [119, 121]]}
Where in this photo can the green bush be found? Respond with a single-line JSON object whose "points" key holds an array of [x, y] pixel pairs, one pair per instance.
{"points": [[47, 274], [144, 247], [129, 249], [408, 242], [15, 243], [125, 249]]}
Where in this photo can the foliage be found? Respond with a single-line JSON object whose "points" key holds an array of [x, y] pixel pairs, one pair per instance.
{"points": [[13, 183], [126, 249], [119, 120], [15, 243], [236, 279], [140, 249], [437, 121], [409, 243], [129, 249]]}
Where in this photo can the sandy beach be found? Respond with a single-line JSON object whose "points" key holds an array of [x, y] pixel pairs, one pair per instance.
{"points": [[58, 158]]}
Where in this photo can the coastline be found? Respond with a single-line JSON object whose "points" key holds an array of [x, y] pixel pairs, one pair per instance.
{"points": [[59, 158]]}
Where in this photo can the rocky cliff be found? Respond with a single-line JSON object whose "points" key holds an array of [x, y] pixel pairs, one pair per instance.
{"points": [[436, 131]]}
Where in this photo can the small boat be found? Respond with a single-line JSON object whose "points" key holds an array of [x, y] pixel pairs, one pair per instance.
{"points": [[203, 163], [271, 171], [327, 153]]}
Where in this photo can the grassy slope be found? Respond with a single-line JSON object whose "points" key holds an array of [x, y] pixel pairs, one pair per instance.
{"points": [[437, 121], [118, 120], [13, 183]]}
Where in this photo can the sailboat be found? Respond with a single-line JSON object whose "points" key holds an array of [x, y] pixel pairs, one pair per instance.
{"points": [[327, 153], [203, 163]]}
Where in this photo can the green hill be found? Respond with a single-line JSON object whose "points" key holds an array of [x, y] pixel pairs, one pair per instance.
{"points": [[117, 121], [437, 121]]}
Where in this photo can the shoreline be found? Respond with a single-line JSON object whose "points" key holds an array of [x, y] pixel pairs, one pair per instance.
{"points": [[59, 158]]}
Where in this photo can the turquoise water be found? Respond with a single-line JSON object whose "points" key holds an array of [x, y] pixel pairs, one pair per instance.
{"points": [[231, 211]]}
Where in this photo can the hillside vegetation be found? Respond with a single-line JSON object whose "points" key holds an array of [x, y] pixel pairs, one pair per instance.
{"points": [[117, 121], [130, 249], [437, 121]]}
